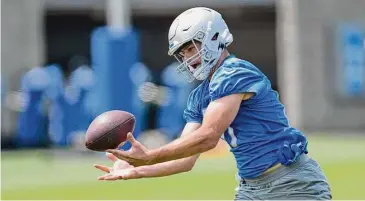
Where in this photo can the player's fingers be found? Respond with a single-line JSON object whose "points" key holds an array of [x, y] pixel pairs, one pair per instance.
{"points": [[104, 176], [131, 138], [100, 178], [122, 155], [111, 156], [113, 177], [118, 153], [102, 168]]}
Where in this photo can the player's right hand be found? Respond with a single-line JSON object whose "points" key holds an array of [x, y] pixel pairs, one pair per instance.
{"points": [[137, 155]]}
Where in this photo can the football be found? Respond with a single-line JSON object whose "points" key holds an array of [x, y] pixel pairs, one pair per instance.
{"points": [[109, 130]]}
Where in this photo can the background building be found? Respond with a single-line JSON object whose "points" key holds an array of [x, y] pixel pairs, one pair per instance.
{"points": [[312, 51]]}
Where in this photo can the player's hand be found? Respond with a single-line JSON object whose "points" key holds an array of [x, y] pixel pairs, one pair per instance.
{"points": [[120, 170], [123, 174], [137, 155]]}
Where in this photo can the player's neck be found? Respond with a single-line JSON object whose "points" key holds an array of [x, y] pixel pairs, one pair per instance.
{"points": [[223, 56]]}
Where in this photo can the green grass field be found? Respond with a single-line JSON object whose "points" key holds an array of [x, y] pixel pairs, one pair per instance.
{"points": [[49, 176]]}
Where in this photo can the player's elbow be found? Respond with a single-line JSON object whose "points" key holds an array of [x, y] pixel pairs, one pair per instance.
{"points": [[210, 140], [210, 144], [188, 166]]}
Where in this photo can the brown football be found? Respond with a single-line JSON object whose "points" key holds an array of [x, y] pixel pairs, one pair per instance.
{"points": [[109, 130]]}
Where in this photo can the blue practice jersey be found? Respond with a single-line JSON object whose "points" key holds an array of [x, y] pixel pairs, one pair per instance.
{"points": [[260, 136]]}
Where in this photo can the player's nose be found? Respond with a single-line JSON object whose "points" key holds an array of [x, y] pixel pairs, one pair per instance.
{"points": [[187, 57]]}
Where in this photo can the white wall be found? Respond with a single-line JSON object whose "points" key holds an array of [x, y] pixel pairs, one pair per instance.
{"points": [[22, 46], [307, 56]]}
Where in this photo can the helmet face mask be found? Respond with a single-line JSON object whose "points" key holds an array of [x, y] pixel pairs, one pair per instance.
{"points": [[205, 26], [199, 71]]}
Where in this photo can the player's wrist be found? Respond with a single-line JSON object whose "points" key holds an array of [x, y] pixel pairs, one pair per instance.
{"points": [[153, 156]]}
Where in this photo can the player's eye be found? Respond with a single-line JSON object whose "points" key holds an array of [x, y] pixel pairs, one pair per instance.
{"points": [[181, 54], [190, 49]]}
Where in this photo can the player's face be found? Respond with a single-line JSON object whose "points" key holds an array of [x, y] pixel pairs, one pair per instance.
{"points": [[190, 50]]}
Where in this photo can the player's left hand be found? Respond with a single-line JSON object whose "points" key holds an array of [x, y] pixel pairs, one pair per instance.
{"points": [[137, 155], [120, 170]]}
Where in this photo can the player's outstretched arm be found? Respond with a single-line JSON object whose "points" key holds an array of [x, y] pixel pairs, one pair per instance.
{"points": [[156, 170], [217, 118], [123, 170]]}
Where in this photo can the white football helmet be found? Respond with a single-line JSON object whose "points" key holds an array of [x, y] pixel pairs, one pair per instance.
{"points": [[206, 26]]}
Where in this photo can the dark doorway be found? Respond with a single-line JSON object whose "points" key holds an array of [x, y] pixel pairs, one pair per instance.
{"points": [[68, 38]]}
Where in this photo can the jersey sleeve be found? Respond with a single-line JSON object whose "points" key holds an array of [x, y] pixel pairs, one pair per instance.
{"points": [[232, 80], [192, 112]]}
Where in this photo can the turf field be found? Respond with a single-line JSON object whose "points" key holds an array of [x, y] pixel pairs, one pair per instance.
{"points": [[62, 175]]}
